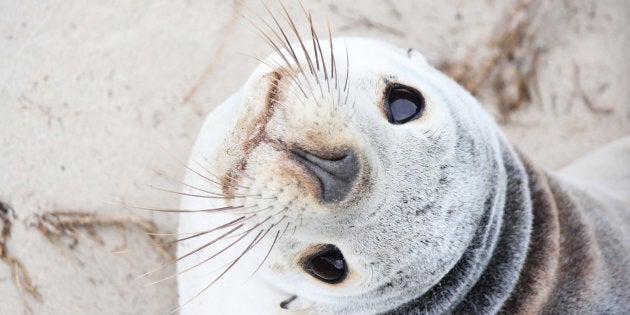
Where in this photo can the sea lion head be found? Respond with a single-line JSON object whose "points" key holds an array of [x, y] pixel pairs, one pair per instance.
{"points": [[350, 176]]}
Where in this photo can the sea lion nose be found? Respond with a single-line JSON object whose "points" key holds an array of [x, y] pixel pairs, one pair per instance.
{"points": [[336, 172]]}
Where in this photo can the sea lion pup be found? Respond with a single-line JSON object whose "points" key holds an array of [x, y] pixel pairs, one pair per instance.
{"points": [[351, 177]]}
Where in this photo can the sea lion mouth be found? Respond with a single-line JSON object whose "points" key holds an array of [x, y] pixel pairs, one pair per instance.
{"points": [[296, 304], [285, 304]]}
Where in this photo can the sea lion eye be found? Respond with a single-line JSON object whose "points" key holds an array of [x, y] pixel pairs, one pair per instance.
{"points": [[403, 104], [327, 265]]}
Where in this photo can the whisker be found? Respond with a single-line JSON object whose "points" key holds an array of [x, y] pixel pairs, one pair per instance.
{"points": [[181, 182], [231, 223], [345, 85], [220, 194], [321, 54], [300, 99], [294, 81], [317, 45], [189, 235], [211, 242], [285, 229], [216, 195], [212, 256], [310, 21], [185, 210], [185, 165], [267, 255], [210, 180], [213, 175], [224, 236], [287, 46], [263, 236], [281, 211], [240, 219], [203, 167], [270, 42], [170, 234], [226, 176], [257, 225], [222, 274], [313, 41], [187, 255], [333, 63], [197, 195], [288, 18], [250, 212], [203, 176], [266, 37], [285, 73]]}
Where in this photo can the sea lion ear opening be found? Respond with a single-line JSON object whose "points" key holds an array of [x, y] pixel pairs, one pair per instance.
{"points": [[417, 57]]}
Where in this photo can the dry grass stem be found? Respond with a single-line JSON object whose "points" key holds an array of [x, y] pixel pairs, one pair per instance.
{"points": [[70, 225], [509, 63], [238, 4], [20, 275]]}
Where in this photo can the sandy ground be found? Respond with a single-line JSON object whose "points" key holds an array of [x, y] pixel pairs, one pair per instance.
{"points": [[94, 109]]}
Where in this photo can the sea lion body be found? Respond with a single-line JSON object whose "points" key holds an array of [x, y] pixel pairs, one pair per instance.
{"points": [[437, 214]]}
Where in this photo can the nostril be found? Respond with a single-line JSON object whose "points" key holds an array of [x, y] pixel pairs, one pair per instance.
{"points": [[336, 172], [342, 165]]}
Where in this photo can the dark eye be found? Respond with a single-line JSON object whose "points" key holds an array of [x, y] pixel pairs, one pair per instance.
{"points": [[403, 104], [327, 265]]}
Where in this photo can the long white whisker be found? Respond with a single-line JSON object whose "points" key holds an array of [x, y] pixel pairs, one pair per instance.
{"points": [[186, 255], [212, 174], [221, 275], [210, 210]]}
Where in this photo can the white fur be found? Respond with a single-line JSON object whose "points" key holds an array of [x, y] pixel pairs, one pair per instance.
{"points": [[391, 231]]}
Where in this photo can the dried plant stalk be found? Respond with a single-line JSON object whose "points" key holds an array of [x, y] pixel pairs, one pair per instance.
{"points": [[19, 272], [509, 64], [58, 225]]}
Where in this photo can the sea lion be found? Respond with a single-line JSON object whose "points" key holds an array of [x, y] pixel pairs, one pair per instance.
{"points": [[348, 176]]}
